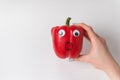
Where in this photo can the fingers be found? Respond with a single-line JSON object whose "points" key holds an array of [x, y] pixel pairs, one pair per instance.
{"points": [[83, 58], [86, 35], [89, 32]]}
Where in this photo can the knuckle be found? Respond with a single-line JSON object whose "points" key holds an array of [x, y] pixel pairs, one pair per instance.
{"points": [[90, 28], [103, 39]]}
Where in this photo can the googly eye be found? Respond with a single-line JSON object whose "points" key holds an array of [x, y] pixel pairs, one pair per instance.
{"points": [[61, 32], [76, 33]]}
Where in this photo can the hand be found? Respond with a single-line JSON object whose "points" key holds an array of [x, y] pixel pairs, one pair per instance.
{"points": [[99, 54]]}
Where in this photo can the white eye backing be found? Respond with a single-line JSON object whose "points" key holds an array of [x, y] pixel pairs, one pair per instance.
{"points": [[61, 32], [76, 33]]}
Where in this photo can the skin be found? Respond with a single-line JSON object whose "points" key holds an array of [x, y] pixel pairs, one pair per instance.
{"points": [[99, 54]]}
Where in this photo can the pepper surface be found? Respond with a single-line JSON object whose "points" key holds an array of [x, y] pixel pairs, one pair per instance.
{"points": [[67, 40]]}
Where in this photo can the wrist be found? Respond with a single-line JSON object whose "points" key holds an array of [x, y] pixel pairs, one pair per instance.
{"points": [[113, 72]]}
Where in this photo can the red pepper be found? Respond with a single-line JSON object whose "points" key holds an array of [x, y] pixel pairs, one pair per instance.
{"points": [[67, 40]]}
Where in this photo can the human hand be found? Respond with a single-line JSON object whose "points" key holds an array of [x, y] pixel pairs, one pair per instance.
{"points": [[99, 54]]}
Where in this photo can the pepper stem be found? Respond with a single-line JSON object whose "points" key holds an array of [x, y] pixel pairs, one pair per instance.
{"points": [[68, 21]]}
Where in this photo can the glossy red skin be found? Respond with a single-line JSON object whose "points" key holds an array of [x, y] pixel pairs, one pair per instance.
{"points": [[60, 42]]}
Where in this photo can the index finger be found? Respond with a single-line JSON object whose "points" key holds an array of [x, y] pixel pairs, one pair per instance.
{"points": [[90, 32]]}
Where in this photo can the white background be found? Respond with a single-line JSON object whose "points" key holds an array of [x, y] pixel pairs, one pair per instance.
{"points": [[26, 51]]}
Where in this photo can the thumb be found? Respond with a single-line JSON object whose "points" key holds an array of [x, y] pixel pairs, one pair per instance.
{"points": [[83, 58]]}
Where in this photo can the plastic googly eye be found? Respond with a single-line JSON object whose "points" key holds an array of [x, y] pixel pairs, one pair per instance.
{"points": [[76, 33], [61, 32]]}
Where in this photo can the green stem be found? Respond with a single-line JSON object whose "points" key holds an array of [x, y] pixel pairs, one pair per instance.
{"points": [[68, 21]]}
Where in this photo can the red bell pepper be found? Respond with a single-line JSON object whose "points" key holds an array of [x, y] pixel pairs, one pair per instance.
{"points": [[67, 40]]}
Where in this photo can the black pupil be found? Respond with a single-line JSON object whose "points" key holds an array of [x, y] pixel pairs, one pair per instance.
{"points": [[76, 34], [61, 33]]}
